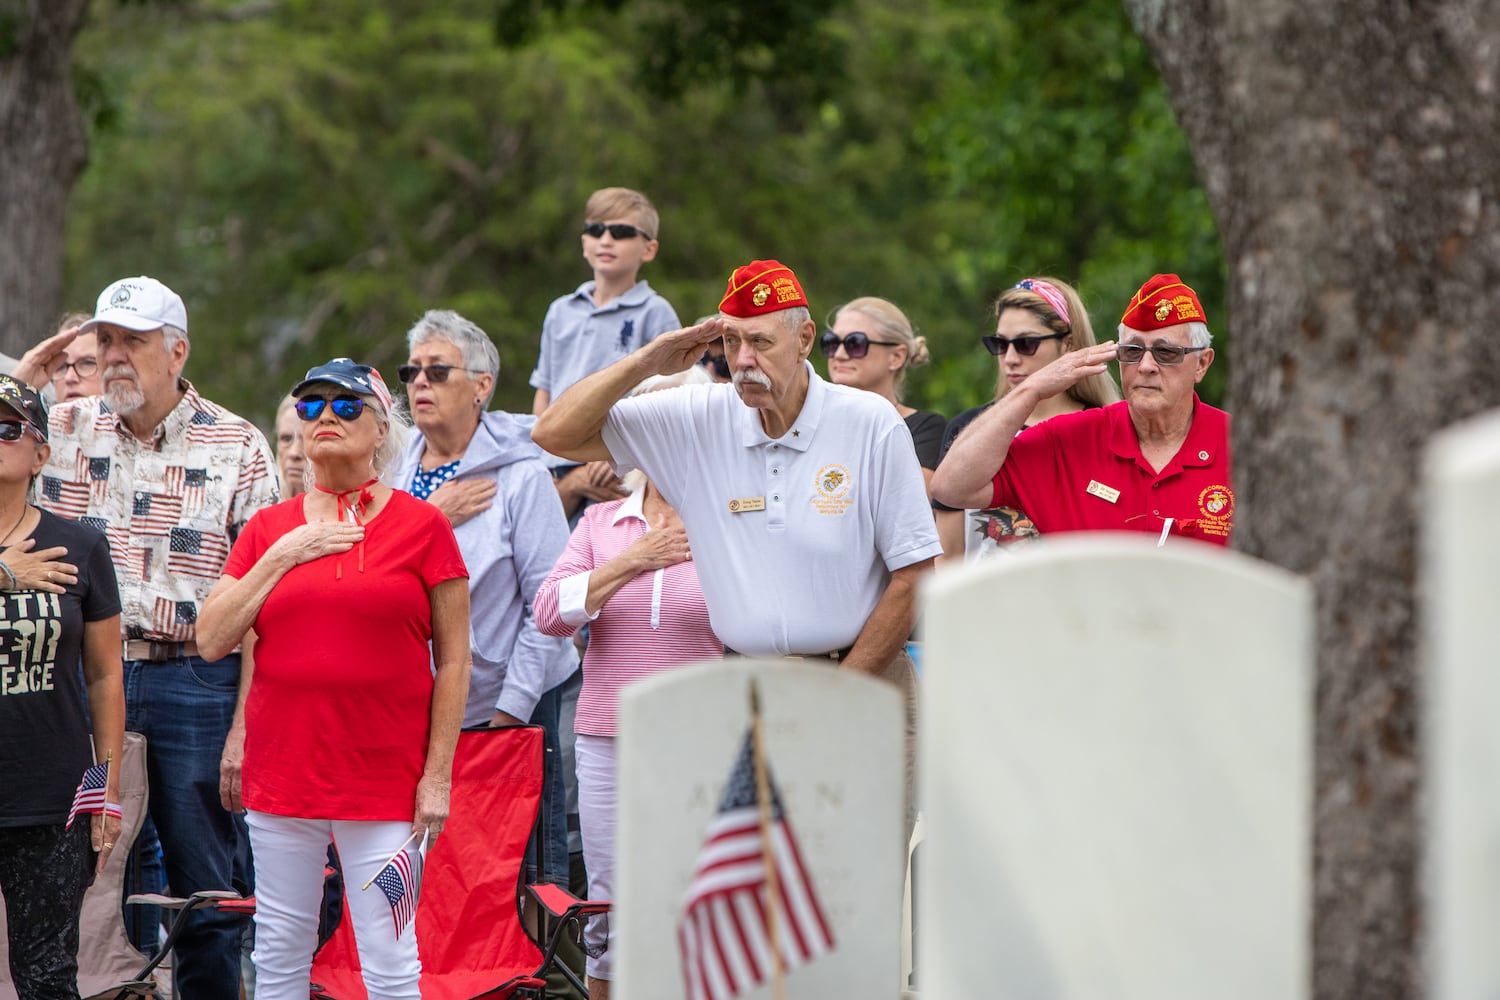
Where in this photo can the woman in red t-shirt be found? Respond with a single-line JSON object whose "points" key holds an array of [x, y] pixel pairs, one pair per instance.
{"points": [[346, 732]]}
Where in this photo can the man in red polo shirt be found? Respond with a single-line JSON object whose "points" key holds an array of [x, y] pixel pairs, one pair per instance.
{"points": [[1159, 462]]}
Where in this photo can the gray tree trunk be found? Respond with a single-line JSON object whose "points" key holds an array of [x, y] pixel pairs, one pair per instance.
{"points": [[1351, 154], [43, 148]]}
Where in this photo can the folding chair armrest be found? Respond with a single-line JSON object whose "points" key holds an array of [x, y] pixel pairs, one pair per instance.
{"points": [[559, 902], [208, 897]]}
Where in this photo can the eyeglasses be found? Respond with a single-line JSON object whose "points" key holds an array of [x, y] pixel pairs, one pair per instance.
{"points": [[12, 430], [344, 407], [1164, 354], [83, 367], [856, 344], [618, 230], [1025, 346], [436, 374], [716, 363]]}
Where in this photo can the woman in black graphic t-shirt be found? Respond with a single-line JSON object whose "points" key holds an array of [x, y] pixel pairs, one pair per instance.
{"points": [[59, 607]]}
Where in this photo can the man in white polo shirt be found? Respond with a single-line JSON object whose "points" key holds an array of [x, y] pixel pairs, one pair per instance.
{"points": [[803, 499]]}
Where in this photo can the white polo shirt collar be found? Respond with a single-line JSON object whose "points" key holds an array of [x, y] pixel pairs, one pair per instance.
{"points": [[799, 436], [634, 506]]}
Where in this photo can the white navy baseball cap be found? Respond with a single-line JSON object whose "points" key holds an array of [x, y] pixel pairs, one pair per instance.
{"points": [[138, 304]]}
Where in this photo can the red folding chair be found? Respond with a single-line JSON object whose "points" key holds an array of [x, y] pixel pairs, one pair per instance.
{"points": [[470, 934]]}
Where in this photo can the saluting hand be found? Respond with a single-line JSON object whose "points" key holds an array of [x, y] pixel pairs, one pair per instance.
{"points": [[37, 365], [680, 350], [1070, 369]]}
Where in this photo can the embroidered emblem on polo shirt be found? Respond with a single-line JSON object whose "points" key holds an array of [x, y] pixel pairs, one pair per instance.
{"points": [[833, 485], [1216, 504]]}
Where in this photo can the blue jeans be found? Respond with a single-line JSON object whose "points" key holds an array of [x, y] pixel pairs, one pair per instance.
{"points": [[184, 708], [550, 838]]}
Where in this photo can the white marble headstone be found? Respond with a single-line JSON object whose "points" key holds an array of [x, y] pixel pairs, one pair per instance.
{"points": [[1115, 772], [1462, 723], [833, 741]]}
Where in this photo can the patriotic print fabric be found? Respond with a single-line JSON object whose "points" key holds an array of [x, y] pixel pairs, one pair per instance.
{"points": [[171, 507]]}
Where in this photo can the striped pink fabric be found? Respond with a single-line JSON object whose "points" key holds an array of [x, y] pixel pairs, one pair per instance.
{"points": [[623, 644]]}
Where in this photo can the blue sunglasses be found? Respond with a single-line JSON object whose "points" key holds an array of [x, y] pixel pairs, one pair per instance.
{"points": [[344, 407]]}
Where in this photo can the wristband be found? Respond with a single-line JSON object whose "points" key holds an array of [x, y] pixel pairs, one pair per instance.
{"points": [[113, 809], [10, 576]]}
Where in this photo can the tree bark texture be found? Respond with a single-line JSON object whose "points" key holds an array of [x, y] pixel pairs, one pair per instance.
{"points": [[1351, 154], [43, 148]]}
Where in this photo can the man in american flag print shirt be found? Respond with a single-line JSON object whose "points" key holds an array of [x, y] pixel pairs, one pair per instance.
{"points": [[170, 478]]}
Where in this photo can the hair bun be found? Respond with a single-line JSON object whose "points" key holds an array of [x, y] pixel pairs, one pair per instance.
{"points": [[918, 355]]}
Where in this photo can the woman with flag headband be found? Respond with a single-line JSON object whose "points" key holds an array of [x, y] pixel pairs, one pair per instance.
{"points": [[55, 614], [358, 598]]}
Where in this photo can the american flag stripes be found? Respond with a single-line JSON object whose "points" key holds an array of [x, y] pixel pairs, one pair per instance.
{"points": [[90, 795], [401, 881], [725, 936]]}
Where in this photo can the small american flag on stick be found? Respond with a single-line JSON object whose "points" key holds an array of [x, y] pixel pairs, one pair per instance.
{"points": [[401, 881], [751, 911], [90, 795]]}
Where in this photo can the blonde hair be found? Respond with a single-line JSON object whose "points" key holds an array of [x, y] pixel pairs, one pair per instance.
{"points": [[611, 203], [71, 321], [1096, 390], [889, 323]]}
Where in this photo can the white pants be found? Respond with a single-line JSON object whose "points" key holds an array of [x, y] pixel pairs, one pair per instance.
{"points": [[594, 758], [290, 855]]}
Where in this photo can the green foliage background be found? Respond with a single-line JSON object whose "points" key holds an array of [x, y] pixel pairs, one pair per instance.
{"points": [[312, 174]]}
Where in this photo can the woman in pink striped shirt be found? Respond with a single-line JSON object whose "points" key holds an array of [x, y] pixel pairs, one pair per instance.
{"points": [[628, 573]]}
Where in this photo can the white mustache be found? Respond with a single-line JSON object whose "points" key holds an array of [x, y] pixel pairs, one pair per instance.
{"points": [[758, 377], [120, 371]]}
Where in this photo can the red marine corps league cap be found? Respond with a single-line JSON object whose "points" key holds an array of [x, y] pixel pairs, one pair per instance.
{"points": [[1163, 301], [760, 287]]}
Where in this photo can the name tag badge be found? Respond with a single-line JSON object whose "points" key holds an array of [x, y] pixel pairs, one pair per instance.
{"points": [[1107, 493], [744, 504]]}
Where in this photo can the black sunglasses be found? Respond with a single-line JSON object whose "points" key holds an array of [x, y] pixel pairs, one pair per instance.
{"points": [[436, 374], [717, 363], [1025, 346], [856, 344], [618, 230], [344, 407], [11, 430], [1164, 354]]}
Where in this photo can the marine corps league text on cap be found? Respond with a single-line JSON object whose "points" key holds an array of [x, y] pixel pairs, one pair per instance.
{"points": [[1163, 301], [138, 304], [760, 287]]}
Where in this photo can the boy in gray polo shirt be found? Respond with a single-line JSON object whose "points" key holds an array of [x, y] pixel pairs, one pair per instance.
{"points": [[607, 318]]}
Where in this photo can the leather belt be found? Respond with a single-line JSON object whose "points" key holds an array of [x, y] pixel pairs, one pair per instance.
{"points": [[834, 655], [153, 651]]}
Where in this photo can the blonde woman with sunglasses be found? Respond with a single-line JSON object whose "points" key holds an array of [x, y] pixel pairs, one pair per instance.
{"points": [[869, 345], [1037, 321]]}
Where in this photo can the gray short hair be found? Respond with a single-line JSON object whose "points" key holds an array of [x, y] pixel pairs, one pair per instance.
{"points": [[794, 317], [478, 351], [170, 335]]}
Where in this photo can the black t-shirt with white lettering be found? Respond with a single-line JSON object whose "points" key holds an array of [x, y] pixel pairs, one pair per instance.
{"points": [[44, 735]]}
